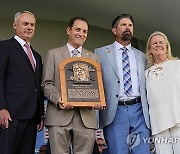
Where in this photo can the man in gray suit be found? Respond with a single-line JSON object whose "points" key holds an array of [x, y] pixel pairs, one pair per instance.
{"points": [[68, 125], [125, 120]]}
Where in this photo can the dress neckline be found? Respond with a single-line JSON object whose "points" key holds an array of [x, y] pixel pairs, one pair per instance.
{"points": [[161, 62]]}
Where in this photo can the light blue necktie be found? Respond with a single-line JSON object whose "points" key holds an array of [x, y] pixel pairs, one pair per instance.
{"points": [[126, 72]]}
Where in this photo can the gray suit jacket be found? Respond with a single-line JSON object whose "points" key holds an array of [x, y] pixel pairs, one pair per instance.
{"points": [[111, 82], [51, 87]]}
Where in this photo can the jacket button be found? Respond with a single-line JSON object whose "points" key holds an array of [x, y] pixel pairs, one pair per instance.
{"points": [[118, 81], [35, 90], [116, 95]]}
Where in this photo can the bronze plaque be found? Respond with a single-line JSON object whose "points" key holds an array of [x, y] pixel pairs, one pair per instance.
{"points": [[81, 82]]}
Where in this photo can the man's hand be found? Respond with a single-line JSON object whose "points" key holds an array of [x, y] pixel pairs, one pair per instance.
{"points": [[98, 106], [4, 118], [63, 105], [40, 125]]}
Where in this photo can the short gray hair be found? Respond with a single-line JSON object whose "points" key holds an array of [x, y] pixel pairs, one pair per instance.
{"points": [[16, 16]]}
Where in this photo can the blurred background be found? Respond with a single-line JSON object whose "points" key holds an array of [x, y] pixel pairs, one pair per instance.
{"points": [[53, 16]]}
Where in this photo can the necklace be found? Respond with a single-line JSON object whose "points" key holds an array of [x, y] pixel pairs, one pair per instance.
{"points": [[157, 71]]}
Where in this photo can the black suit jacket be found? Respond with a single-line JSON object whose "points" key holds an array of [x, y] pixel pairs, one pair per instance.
{"points": [[20, 91]]}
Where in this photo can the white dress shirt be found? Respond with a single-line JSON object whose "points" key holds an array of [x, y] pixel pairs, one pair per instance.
{"points": [[72, 48], [133, 70], [22, 42]]}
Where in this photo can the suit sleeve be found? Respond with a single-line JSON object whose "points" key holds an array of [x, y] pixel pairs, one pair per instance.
{"points": [[50, 91], [41, 94], [94, 57], [96, 52], [3, 65]]}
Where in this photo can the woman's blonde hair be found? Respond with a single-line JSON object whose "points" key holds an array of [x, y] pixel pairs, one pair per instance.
{"points": [[150, 59]]}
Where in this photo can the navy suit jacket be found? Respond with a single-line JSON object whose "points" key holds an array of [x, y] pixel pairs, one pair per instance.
{"points": [[20, 91]]}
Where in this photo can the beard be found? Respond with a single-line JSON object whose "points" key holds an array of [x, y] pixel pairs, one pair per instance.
{"points": [[126, 36]]}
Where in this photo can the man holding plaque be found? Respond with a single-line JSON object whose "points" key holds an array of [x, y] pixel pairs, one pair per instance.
{"points": [[66, 124], [125, 120]]}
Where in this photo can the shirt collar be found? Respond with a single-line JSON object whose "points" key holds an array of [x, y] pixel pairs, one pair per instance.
{"points": [[20, 40], [118, 46], [72, 48]]}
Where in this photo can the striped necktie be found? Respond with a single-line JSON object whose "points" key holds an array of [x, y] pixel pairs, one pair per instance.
{"points": [[126, 72], [30, 56]]}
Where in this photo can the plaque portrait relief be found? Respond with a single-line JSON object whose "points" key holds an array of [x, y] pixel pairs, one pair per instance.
{"points": [[81, 72], [81, 82]]}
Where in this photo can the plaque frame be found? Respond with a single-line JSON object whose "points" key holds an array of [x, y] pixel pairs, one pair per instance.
{"points": [[63, 80]]}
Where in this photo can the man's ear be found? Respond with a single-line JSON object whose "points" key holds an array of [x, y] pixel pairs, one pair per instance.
{"points": [[14, 25], [114, 31], [68, 29]]}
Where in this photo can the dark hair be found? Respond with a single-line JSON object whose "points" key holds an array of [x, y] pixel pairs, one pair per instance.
{"points": [[118, 18], [72, 21]]}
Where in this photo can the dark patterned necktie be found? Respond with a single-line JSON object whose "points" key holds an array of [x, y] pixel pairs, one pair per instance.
{"points": [[126, 72], [75, 53]]}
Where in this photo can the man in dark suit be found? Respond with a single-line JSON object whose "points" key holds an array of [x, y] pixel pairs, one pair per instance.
{"points": [[21, 98]]}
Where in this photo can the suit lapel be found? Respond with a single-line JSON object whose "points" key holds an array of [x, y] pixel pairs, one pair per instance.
{"points": [[112, 58], [37, 60], [65, 52], [139, 63], [21, 51], [85, 53]]}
